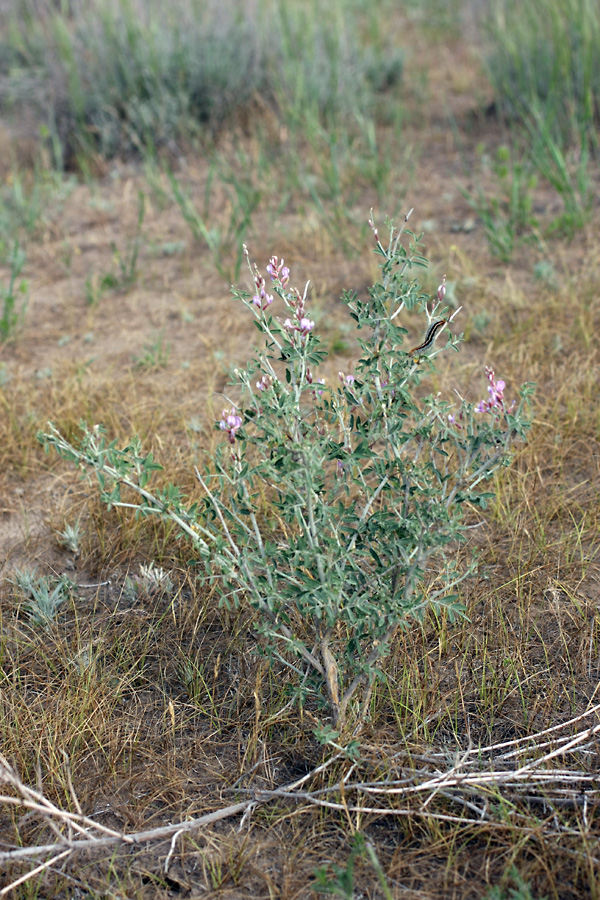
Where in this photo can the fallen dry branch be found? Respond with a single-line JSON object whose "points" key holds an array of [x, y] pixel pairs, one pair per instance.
{"points": [[477, 779], [138, 837], [66, 846]]}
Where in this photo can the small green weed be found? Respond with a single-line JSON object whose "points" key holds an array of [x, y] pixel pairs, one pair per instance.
{"points": [[126, 264], [568, 171], [26, 198], [70, 537], [243, 198], [151, 581], [44, 595], [507, 215], [155, 354], [13, 313], [127, 261], [521, 891], [341, 884]]}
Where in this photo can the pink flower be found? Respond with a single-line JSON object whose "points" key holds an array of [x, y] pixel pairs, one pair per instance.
{"points": [[262, 300], [265, 383], [441, 291], [231, 423], [278, 271], [305, 326]]}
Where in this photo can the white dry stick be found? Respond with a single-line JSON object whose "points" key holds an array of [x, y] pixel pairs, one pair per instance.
{"points": [[38, 869], [172, 850], [138, 837], [36, 802]]}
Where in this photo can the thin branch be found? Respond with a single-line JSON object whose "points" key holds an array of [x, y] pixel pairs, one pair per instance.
{"points": [[139, 837], [37, 871]]}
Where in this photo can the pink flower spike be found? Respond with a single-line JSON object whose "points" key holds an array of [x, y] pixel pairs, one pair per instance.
{"points": [[231, 423], [278, 271], [305, 325], [496, 392]]}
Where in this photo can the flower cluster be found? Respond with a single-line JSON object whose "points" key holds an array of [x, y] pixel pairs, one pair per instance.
{"points": [[304, 325], [280, 274], [261, 298], [301, 323], [278, 271], [265, 383], [494, 403], [496, 392], [231, 423]]}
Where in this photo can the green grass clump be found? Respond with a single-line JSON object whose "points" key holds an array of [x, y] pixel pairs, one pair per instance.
{"points": [[115, 78], [12, 312], [545, 61], [544, 66], [120, 78]]}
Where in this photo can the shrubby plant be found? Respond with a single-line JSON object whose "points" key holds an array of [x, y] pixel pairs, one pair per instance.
{"points": [[335, 510]]}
